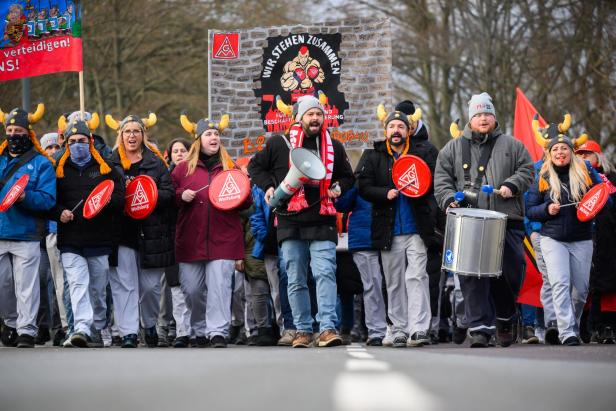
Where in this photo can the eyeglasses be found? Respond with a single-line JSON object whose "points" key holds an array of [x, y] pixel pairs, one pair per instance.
{"points": [[132, 132], [81, 140]]}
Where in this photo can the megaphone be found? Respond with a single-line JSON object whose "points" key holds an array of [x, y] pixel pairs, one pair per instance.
{"points": [[305, 166]]}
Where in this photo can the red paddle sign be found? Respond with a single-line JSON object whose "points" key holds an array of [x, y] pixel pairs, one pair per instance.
{"points": [[593, 202], [229, 189], [411, 176], [13, 194], [98, 199], [141, 197]]}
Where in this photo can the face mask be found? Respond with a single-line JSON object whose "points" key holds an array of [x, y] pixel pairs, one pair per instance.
{"points": [[19, 143], [80, 153]]}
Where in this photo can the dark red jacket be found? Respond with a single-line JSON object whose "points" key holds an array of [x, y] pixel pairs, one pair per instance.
{"points": [[202, 231]]}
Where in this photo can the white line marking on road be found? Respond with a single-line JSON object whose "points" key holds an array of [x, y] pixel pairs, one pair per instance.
{"points": [[361, 355]]}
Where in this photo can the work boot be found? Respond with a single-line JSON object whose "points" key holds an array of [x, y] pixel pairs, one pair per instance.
{"points": [[329, 338], [42, 337], [265, 337], [479, 340], [302, 340], [287, 338], [9, 336], [529, 336]]}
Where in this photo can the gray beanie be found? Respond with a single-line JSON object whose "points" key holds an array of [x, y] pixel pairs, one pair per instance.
{"points": [[76, 115], [306, 103], [480, 103], [49, 139]]}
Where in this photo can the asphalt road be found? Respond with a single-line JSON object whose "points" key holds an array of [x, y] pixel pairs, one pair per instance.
{"points": [[352, 378]]}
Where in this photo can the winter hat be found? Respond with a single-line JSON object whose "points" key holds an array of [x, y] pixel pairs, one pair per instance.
{"points": [[306, 103], [85, 128], [555, 133], [406, 106], [480, 103], [196, 129], [49, 139], [20, 117], [76, 115]]}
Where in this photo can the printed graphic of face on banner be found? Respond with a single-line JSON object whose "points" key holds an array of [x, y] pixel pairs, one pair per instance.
{"points": [[39, 38], [298, 65]]}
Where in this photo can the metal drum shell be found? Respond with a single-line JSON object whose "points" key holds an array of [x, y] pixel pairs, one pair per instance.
{"points": [[474, 242]]}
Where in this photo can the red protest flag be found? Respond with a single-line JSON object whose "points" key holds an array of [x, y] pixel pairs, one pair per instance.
{"points": [[522, 128], [39, 41], [531, 288]]}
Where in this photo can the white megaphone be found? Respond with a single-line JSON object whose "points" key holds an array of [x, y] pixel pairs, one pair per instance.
{"points": [[305, 166]]}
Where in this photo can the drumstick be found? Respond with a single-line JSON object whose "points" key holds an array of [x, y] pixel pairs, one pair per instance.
{"points": [[488, 189], [570, 204], [202, 188], [405, 186], [78, 204]]}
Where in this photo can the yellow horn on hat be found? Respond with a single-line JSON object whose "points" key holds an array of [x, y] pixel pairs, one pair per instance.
{"points": [[322, 98], [381, 113], [454, 129], [543, 142], [62, 124], [150, 120], [190, 127], [564, 126], [282, 107], [1, 116], [112, 122], [94, 122], [224, 123], [413, 118], [579, 141], [37, 115]]}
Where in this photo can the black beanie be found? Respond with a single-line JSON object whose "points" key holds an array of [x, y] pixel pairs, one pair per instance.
{"points": [[406, 106]]}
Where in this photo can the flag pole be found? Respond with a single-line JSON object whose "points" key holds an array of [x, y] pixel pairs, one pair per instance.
{"points": [[81, 96]]}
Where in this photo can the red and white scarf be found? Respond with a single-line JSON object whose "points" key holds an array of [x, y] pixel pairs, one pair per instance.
{"points": [[298, 200]]}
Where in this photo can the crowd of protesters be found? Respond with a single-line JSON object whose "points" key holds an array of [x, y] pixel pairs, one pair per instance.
{"points": [[345, 258]]}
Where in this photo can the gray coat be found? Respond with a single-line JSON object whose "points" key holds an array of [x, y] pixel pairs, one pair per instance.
{"points": [[510, 164]]}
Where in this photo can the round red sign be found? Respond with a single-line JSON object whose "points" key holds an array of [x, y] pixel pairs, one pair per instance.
{"points": [[98, 199], [14, 192], [141, 197], [592, 202], [412, 176], [229, 189]]}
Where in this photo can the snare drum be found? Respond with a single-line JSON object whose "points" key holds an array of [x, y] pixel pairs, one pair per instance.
{"points": [[474, 242]]}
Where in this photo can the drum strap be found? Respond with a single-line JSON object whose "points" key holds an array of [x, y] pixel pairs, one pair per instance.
{"points": [[486, 152], [16, 166]]}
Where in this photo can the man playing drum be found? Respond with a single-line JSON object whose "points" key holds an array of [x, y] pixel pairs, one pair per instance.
{"points": [[402, 227], [483, 154]]}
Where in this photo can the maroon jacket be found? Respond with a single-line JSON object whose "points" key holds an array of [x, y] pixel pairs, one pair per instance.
{"points": [[202, 231]]}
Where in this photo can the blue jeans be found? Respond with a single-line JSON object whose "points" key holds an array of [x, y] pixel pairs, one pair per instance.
{"points": [[285, 308], [321, 255]]}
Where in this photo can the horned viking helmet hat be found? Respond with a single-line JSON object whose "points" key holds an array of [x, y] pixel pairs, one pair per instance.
{"points": [[555, 133], [385, 118], [20, 117], [198, 128]]}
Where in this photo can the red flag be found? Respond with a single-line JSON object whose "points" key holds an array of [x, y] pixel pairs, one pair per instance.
{"points": [[608, 302], [530, 291], [522, 128]]}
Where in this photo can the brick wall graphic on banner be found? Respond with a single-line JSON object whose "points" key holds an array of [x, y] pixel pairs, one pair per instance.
{"points": [[298, 65], [39, 38]]}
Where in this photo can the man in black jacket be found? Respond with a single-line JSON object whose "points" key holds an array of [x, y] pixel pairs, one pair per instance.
{"points": [[402, 227], [85, 244], [307, 228]]}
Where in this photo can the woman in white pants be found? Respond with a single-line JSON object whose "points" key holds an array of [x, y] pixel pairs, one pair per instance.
{"points": [[145, 246], [566, 242]]}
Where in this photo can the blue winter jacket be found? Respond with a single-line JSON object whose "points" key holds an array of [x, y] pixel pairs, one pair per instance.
{"points": [[565, 225], [360, 221], [259, 221], [25, 221]]}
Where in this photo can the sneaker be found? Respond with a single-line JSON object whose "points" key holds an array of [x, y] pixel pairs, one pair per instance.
{"points": [[79, 340], [202, 342], [286, 340], [251, 341], [346, 339], [329, 338], [459, 334], [218, 341], [241, 338], [529, 336], [181, 342], [551, 334], [572, 341], [116, 341], [374, 342], [106, 336], [130, 341], [479, 340], [607, 336], [59, 337], [302, 340], [399, 341], [388, 341], [504, 336], [25, 341], [150, 335], [433, 338], [67, 342], [234, 332], [162, 342], [418, 339], [9, 336], [540, 334], [42, 337], [96, 340]]}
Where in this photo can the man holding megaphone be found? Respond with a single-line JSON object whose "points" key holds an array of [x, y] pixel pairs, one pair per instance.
{"points": [[306, 226]]}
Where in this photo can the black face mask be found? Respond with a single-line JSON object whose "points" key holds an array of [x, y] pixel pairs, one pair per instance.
{"points": [[19, 143]]}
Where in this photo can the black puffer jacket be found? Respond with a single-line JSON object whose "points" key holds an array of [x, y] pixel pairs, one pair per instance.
{"points": [[156, 239], [603, 272], [76, 186], [375, 181]]}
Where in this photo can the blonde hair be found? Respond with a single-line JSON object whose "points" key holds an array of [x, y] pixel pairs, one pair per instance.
{"points": [[119, 144], [193, 157], [579, 179], [604, 163]]}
